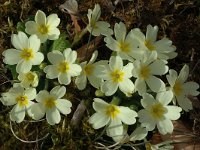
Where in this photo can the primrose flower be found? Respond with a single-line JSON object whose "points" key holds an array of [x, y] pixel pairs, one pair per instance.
{"points": [[115, 75], [21, 98], [111, 115], [88, 73], [162, 48], [96, 27], [26, 53], [181, 88], [145, 70], [158, 113], [63, 66], [126, 46], [138, 134], [44, 27], [51, 104], [28, 79]]}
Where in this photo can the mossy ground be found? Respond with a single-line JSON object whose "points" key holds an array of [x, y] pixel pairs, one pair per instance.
{"points": [[179, 20]]}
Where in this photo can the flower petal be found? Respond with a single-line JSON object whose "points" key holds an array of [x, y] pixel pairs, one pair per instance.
{"points": [[120, 31], [39, 57], [171, 78], [40, 18], [53, 116], [165, 97], [126, 86], [126, 115], [165, 126], [58, 91], [31, 27], [109, 88], [147, 100], [183, 75], [98, 120], [51, 72], [38, 111], [34, 43], [30, 93], [41, 96], [158, 67], [94, 81], [12, 56], [99, 105], [75, 70], [184, 103], [23, 66], [20, 40], [128, 70], [173, 112], [63, 106], [54, 34], [138, 134], [151, 33], [155, 84], [53, 20], [115, 62], [115, 128], [140, 86], [70, 55], [190, 88], [17, 113], [81, 81], [64, 78], [111, 43]]}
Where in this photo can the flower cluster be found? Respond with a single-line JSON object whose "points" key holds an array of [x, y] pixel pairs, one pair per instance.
{"points": [[137, 66]]}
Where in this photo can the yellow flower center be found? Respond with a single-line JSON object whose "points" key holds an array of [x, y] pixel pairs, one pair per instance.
{"points": [[43, 29], [22, 100], [178, 88], [157, 111], [149, 45], [63, 67], [93, 24], [50, 102], [27, 54], [112, 111], [124, 47], [145, 72], [117, 76], [30, 76], [88, 69]]}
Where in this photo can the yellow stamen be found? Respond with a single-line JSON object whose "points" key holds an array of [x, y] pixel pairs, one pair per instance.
{"points": [[50, 102], [145, 72], [88, 69], [63, 67], [149, 45], [117, 76], [112, 111], [22, 100], [30, 76], [43, 29], [27, 54], [178, 88], [124, 47], [157, 111]]}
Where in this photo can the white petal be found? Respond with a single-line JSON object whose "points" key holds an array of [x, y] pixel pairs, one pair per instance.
{"points": [[28, 108], [158, 67], [190, 88], [30, 93], [53, 116], [64, 106], [55, 57], [64, 78], [165, 97], [173, 112], [81, 82], [93, 57], [128, 70], [151, 33], [95, 82], [34, 43], [126, 86], [171, 78], [75, 70], [11, 56], [126, 115], [120, 31], [184, 103], [111, 43], [102, 72], [109, 88], [99, 105], [98, 120], [140, 86], [115, 63], [19, 41], [58, 91], [147, 100], [40, 18], [183, 75], [155, 84], [103, 28], [165, 126], [70, 55], [31, 27], [39, 57], [53, 34], [138, 134], [115, 128], [53, 20], [51, 72], [8, 98], [17, 113], [23, 66], [138, 35], [38, 111], [42, 95], [42, 37]]}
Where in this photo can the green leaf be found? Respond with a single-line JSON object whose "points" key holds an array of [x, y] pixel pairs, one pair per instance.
{"points": [[21, 26], [61, 43], [12, 68]]}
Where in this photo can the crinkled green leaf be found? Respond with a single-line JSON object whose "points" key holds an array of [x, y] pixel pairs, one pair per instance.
{"points": [[61, 43], [21, 26]]}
